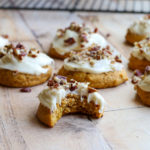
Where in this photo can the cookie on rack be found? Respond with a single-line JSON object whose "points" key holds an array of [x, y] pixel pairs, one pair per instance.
{"points": [[139, 30], [63, 97], [74, 37], [21, 67], [142, 85], [101, 67], [140, 55]]}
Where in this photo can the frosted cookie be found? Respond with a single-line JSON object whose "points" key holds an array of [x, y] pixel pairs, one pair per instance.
{"points": [[20, 67], [101, 67], [62, 97], [139, 30], [74, 37], [142, 85], [140, 55]]}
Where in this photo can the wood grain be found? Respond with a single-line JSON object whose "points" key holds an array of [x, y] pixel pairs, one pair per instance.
{"points": [[125, 125]]}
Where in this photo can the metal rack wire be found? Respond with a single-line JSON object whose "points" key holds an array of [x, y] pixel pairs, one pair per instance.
{"points": [[122, 6]]}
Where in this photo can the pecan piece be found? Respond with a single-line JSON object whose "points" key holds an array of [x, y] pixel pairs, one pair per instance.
{"points": [[117, 59], [69, 41], [91, 90], [25, 89]]}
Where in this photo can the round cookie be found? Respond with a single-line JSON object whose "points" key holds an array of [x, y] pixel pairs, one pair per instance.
{"points": [[18, 79], [20, 67], [73, 38], [101, 67], [139, 30], [140, 55], [64, 97], [142, 85], [132, 37], [144, 96]]}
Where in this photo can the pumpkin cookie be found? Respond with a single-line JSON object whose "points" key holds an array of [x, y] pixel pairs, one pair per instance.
{"points": [[101, 67], [139, 30], [62, 97], [74, 37], [20, 67], [142, 85], [140, 55]]}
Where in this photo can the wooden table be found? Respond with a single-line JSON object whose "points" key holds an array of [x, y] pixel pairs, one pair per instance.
{"points": [[126, 121]]}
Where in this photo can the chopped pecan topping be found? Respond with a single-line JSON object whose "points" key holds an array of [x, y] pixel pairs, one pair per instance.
{"points": [[1, 55], [95, 30], [60, 33], [25, 89], [83, 37], [137, 73], [73, 87], [5, 36], [52, 83], [117, 59], [91, 90], [20, 46], [108, 35], [69, 41]]}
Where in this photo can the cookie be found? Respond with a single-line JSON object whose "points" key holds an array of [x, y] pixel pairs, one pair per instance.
{"points": [[73, 38], [132, 37], [140, 55], [102, 80], [62, 97], [142, 85], [20, 67], [139, 30], [101, 67]]}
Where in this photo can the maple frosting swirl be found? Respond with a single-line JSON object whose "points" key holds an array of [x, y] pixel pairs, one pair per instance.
{"points": [[76, 37], [94, 60], [59, 88], [18, 58]]}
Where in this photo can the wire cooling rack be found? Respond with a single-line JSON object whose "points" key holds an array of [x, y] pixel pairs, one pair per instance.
{"points": [[122, 6]]}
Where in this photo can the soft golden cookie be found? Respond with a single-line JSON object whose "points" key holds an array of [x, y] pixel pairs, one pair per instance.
{"points": [[101, 67], [135, 63], [144, 96], [139, 30], [64, 97], [73, 38], [140, 55], [102, 80], [18, 79], [20, 67], [142, 84], [133, 37]]}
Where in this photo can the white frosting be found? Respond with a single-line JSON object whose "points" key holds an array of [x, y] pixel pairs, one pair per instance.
{"points": [[141, 50], [27, 65], [141, 27], [93, 38], [52, 96], [144, 84], [100, 66], [3, 42]]}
